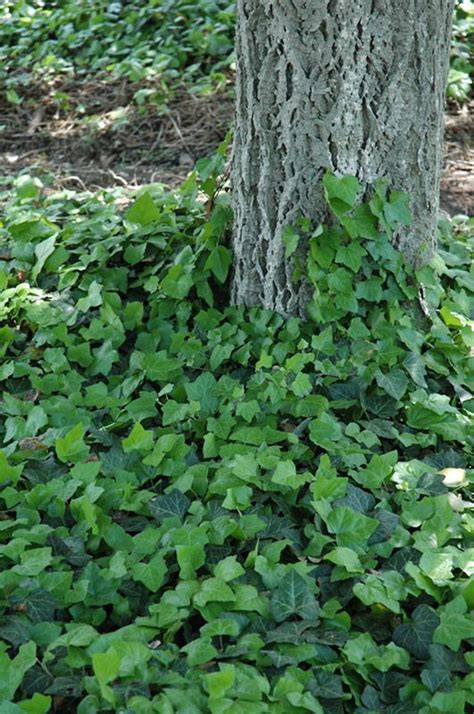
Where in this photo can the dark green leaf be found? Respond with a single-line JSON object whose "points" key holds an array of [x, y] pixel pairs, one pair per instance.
{"points": [[293, 597], [174, 504], [416, 636]]}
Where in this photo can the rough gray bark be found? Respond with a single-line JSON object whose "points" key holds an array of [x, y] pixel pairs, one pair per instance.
{"points": [[356, 86]]}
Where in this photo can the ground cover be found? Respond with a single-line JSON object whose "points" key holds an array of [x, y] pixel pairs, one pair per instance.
{"points": [[212, 509]]}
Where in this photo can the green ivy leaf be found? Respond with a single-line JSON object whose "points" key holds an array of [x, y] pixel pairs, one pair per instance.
{"points": [[397, 209], [290, 240], [437, 672], [139, 439], [199, 652], [293, 597], [7, 472], [40, 605], [72, 447], [455, 625], [352, 529], [387, 590], [285, 475], [325, 431], [219, 262], [218, 683], [190, 558], [13, 671], [173, 505], [416, 636], [42, 251], [204, 391], [378, 470], [347, 558], [106, 666], [151, 574], [395, 383], [341, 193], [228, 569], [143, 210]]}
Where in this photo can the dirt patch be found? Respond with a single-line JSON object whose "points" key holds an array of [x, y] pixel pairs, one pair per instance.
{"points": [[93, 134], [101, 133], [457, 186]]}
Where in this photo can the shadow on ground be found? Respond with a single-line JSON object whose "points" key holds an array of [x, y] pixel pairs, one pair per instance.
{"points": [[92, 134]]}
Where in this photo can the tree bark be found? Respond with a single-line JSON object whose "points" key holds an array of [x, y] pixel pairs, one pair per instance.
{"points": [[354, 86]]}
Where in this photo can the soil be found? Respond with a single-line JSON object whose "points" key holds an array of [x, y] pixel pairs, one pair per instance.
{"points": [[92, 134], [457, 185]]}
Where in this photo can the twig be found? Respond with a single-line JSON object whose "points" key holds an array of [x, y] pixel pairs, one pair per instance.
{"points": [[118, 178]]}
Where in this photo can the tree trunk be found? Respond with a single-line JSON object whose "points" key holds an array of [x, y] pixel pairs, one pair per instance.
{"points": [[354, 86]]}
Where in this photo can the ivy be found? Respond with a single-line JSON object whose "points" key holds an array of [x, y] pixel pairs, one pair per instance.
{"points": [[212, 508]]}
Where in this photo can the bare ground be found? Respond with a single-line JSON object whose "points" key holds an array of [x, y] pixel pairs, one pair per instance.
{"points": [[92, 134], [457, 186]]}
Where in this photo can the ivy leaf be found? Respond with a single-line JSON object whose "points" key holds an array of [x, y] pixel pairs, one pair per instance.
{"points": [[228, 569], [106, 666], [397, 209], [139, 439], [416, 636], [325, 430], [293, 597], [351, 255], [174, 504], [341, 193], [370, 290], [151, 574], [361, 224], [72, 447], [449, 702], [177, 282], [40, 605], [219, 262], [326, 685], [199, 652], [454, 627], [219, 682], [190, 558], [13, 671], [38, 704], [143, 210], [395, 383], [17, 631], [204, 391], [7, 472], [352, 529], [159, 366], [437, 672], [285, 475], [347, 558], [42, 251], [387, 590], [416, 368], [378, 470], [290, 240]]}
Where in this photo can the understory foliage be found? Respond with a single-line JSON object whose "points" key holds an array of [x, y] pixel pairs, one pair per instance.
{"points": [[213, 509], [461, 68], [165, 42]]}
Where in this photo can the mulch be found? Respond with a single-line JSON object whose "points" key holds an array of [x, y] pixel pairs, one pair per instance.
{"points": [[92, 134]]}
